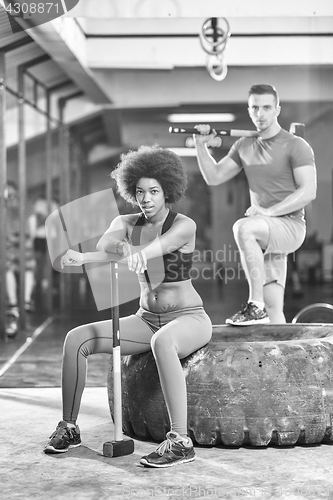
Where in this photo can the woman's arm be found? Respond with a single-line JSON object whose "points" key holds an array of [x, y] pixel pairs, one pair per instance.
{"points": [[74, 258], [180, 236], [116, 234], [181, 233], [106, 247], [111, 247]]}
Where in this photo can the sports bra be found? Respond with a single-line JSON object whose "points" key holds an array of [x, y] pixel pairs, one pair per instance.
{"points": [[177, 265]]}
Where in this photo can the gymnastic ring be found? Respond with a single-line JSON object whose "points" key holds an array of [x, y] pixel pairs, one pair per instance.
{"points": [[213, 47], [216, 67], [222, 36], [257, 385]]}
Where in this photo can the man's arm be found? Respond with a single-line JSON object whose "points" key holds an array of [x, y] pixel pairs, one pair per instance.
{"points": [[213, 172], [306, 181]]}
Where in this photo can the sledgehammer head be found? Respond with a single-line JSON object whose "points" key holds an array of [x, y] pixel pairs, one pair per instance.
{"points": [[297, 129], [118, 448]]}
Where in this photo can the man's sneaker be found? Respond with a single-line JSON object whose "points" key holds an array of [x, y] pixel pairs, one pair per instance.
{"points": [[63, 438], [174, 450], [249, 315]]}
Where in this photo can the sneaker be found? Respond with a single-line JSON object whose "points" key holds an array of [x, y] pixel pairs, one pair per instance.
{"points": [[174, 450], [63, 438], [12, 321], [249, 315], [29, 307], [11, 326], [13, 310]]}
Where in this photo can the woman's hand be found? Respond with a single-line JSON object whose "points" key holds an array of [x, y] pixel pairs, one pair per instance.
{"points": [[136, 260], [71, 258]]}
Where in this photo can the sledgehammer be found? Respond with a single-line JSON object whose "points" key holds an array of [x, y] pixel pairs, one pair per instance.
{"points": [[297, 129], [120, 446]]}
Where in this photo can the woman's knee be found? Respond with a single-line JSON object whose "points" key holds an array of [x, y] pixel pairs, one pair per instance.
{"points": [[72, 338], [78, 339], [160, 344]]}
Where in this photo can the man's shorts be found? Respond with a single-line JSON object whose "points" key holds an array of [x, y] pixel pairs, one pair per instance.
{"points": [[286, 235]]}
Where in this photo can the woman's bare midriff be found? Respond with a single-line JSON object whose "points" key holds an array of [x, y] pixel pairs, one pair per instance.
{"points": [[169, 296]]}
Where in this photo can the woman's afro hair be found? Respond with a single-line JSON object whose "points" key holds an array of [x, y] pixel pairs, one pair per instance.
{"points": [[153, 162]]}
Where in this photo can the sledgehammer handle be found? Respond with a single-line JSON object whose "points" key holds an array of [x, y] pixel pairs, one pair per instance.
{"points": [[117, 407], [232, 132]]}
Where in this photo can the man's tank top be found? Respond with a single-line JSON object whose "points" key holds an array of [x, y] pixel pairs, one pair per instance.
{"points": [[177, 265]]}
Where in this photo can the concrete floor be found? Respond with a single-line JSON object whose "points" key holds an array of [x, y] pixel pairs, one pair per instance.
{"points": [[84, 473], [30, 399]]}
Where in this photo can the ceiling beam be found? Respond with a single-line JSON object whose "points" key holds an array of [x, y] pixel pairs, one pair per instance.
{"points": [[149, 88], [115, 27], [17, 44], [168, 53], [64, 41], [209, 8]]}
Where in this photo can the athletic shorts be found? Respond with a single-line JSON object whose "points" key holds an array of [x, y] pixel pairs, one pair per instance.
{"points": [[155, 321], [286, 235]]}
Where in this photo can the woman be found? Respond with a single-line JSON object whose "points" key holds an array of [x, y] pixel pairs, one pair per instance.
{"points": [[171, 320]]}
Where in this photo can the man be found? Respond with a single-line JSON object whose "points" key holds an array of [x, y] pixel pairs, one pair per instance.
{"points": [[13, 260], [280, 169]]}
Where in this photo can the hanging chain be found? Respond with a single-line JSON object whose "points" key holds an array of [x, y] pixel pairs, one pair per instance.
{"points": [[214, 39]]}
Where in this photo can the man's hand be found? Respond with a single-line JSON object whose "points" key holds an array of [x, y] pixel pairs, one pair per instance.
{"points": [[71, 258], [207, 136], [254, 210]]}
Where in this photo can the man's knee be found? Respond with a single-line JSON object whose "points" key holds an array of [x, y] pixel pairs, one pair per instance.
{"points": [[242, 229]]}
